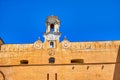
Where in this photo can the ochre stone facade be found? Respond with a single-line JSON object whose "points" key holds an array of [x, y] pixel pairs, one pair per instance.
{"points": [[55, 60]]}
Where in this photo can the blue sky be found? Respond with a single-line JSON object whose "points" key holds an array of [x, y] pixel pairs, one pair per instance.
{"points": [[23, 21]]}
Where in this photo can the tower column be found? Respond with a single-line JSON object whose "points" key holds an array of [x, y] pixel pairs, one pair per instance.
{"points": [[52, 33]]}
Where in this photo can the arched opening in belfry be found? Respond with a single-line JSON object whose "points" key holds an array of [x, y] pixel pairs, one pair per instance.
{"points": [[52, 28]]}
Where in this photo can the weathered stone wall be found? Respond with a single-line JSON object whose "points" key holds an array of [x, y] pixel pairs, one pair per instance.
{"points": [[90, 52], [60, 72], [101, 61]]}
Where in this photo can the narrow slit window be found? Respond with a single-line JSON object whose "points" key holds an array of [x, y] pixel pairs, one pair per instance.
{"points": [[47, 76], [55, 76]]}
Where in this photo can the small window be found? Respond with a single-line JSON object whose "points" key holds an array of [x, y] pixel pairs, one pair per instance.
{"points": [[52, 28], [51, 60], [77, 61], [51, 44], [24, 62]]}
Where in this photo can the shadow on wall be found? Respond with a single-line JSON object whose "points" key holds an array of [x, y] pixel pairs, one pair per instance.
{"points": [[2, 76], [117, 67]]}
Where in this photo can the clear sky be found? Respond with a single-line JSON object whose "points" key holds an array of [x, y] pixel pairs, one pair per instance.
{"points": [[23, 21]]}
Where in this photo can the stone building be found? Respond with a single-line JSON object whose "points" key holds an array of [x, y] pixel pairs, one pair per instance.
{"points": [[55, 60]]}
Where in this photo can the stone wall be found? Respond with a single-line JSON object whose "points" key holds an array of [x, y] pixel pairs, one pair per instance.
{"points": [[100, 60], [60, 72]]}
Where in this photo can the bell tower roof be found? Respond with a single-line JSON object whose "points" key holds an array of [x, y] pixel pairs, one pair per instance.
{"points": [[52, 20]]}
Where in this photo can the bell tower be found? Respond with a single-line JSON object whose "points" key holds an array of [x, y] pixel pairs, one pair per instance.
{"points": [[52, 28], [52, 24], [52, 33]]}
